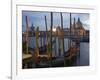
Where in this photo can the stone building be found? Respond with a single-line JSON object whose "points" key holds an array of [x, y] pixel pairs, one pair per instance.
{"points": [[77, 28]]}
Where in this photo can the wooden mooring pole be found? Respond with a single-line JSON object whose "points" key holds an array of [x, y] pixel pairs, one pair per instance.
{"points": [[70, 28], [37, 41], [26, 35], [59, 42], [47, 46], [70, 45], [62, 32], [51, 36]]}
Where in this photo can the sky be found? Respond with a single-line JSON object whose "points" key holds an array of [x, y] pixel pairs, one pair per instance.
{"points": [[38, 19]]}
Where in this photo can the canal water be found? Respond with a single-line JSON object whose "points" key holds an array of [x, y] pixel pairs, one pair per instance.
{"points": [[42, 42], [84, 54], [82, 58]]}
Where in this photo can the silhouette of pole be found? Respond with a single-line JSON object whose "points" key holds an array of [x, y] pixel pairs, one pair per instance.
{"points": [[46, 22], [51, 36], [79, 36], [55, 41], [26, 35], [32, 33], [70, 28], [62, 32], [59, 42], [70, 34], [37, 41], [47, 47]]}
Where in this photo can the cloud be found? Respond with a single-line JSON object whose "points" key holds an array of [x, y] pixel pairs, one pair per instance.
{"points": [[38, 19]]}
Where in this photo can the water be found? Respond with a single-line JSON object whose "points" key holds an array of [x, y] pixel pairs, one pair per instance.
{"points": [[82, 60], [42, 42], [84, 54]]}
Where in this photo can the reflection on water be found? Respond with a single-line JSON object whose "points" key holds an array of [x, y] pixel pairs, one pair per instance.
{"points": [[83, 59], [42, 42], [84, 54]]}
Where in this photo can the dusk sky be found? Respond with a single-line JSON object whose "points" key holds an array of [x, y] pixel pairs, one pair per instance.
{"points": [[38, 19]]}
